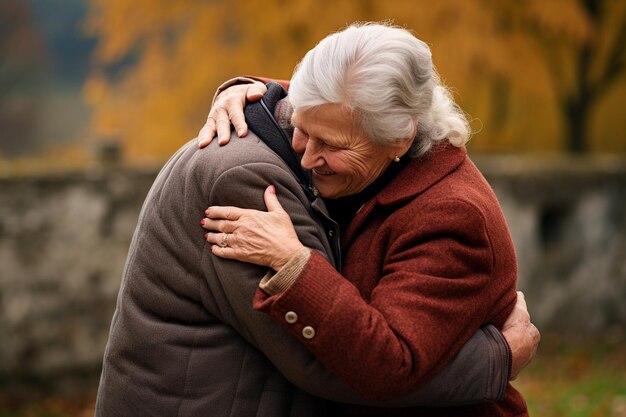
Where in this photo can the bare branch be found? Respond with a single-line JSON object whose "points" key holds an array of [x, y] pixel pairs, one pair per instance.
{"points": [[616, 64]]}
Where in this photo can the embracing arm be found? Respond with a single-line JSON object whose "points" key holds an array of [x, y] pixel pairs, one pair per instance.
{"points": [[418, 315], [483, 363], [476, 374]]}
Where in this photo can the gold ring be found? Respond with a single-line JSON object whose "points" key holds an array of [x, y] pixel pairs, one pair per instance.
{"points": [[224, 240]]}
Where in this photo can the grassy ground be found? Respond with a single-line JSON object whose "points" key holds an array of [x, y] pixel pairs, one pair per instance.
{"points": [[576, 382], [561, 382]]}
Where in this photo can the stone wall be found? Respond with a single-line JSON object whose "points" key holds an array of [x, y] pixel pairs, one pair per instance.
{"points": [[64, 238], [63, 242], [568, 220]]}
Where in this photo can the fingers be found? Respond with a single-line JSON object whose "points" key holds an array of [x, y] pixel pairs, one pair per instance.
{"points": [[255, 91], [224, 212], [522, 336], [521, 301], [228, 108], [223, 240], [224, 226], [271, 200], [239, 123], [519, 315], [223, 126], [218, 122], [230, 111], [224, 252], [220, 244], [207, 133], [234, 107], [533, 331], [535, 336]]}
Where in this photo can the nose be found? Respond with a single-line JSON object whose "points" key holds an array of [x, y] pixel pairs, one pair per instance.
{"points": [[311, 158]]}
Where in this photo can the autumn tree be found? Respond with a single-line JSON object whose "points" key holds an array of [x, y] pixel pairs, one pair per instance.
{"points": [[158, 63], [583, 46]]}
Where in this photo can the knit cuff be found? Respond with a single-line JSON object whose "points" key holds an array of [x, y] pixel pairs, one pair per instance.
{"points": [[274, 283], [283, 113]]}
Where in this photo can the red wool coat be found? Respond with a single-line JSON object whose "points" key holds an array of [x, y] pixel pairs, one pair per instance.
{"points": [[427, 262]]}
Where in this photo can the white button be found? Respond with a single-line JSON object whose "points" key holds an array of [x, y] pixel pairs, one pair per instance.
{"points": [[291, 317], [308, 332], [330, 233]]}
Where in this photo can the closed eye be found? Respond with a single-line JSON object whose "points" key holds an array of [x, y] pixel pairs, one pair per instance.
{"points": [[318, 141], [332, 148], [302, 132]]}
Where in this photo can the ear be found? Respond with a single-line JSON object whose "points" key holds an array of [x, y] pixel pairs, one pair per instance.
{"points": [[399, 147]]}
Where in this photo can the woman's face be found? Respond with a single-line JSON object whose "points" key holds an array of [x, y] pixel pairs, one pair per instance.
{"points": [[342, 160]]}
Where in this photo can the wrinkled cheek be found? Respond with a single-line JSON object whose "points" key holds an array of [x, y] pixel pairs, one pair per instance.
{"points": [[362, 170], [362, 176]]}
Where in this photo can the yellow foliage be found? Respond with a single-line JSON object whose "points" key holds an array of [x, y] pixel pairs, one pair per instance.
{"points": [[95, 89], [160, 61]]}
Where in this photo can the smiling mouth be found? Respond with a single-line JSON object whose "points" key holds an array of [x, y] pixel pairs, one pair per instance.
{"points": [[320, 172]]}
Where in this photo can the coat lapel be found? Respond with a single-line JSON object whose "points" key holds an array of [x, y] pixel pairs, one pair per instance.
{"points": [[414, 179]]}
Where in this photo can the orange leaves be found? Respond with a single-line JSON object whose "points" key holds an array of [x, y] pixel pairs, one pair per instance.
{"points": [[159, 61], [560, 19], [122, 26], [95, 89]]}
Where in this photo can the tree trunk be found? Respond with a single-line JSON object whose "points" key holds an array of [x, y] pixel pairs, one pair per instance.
{"points": [[579, 104], [576, 119]]}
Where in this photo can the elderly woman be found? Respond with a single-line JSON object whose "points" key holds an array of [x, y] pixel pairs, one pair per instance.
{"points": [[426, 250]]}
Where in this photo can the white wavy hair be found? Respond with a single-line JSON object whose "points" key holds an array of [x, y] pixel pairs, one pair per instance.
{"points": [[386, 77]]}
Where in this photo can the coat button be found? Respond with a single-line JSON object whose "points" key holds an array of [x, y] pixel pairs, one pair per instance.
{"points": [[291, 317], [308, 332], [331, 233]]}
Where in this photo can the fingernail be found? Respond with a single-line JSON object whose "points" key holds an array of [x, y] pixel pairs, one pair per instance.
{"points": [[202, 222], [272, 189], [206, 212], [241, 132], [206, 236]]}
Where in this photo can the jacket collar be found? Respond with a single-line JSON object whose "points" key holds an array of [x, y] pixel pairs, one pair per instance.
{"points": [[414, 179], [422, 174]]}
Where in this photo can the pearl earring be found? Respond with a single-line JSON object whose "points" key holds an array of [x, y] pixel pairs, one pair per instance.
{"points": [[396, 159]]}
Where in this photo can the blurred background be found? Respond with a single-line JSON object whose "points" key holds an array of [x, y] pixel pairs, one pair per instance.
{"points": [[96, 94]]}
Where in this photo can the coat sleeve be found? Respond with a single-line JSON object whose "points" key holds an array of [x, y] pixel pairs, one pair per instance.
{"points": [[475, 375], [435, 292]]}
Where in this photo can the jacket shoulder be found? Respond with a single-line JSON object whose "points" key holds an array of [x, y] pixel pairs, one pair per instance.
{"points": [[204, 166], [238, 152]]}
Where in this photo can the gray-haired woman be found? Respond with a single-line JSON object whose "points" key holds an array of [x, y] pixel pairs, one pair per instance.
{"points": [[426, 251]]}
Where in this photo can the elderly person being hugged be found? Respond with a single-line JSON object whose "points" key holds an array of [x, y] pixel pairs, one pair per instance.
{"points": [[427, 256]]}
